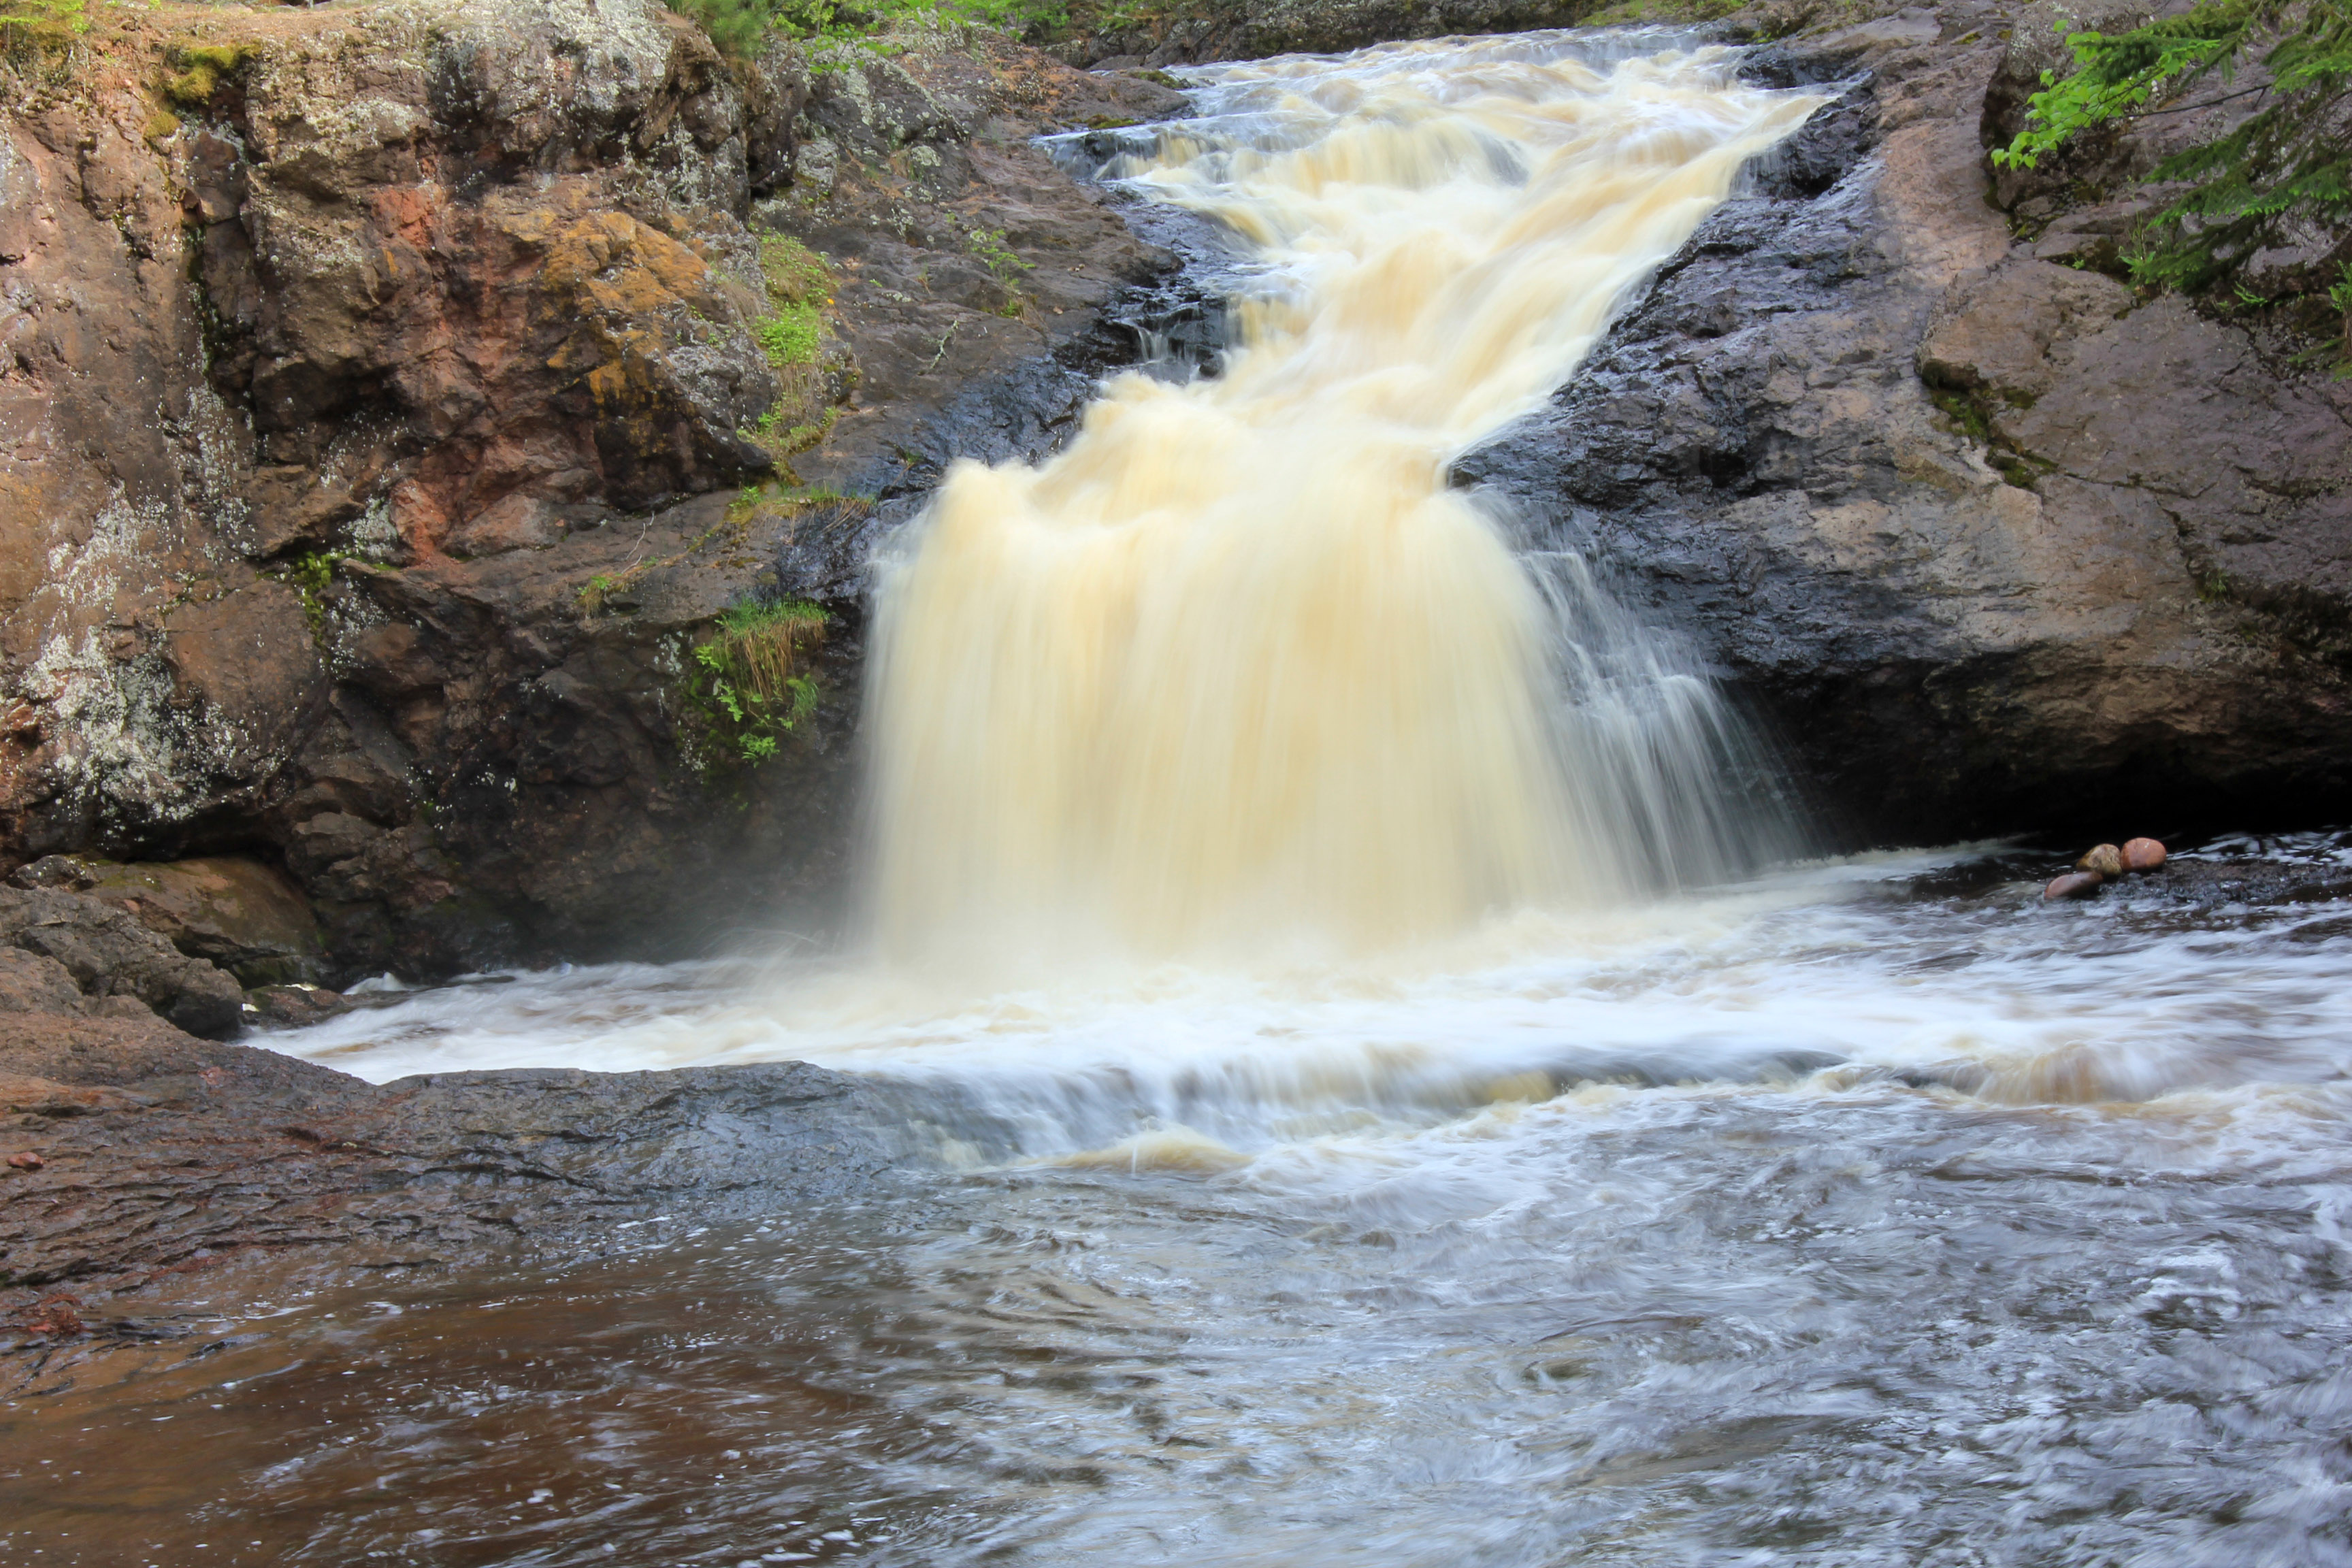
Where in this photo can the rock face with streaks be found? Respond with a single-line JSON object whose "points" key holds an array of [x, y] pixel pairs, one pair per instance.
{"points": [[1993, 541], [379, 383]]}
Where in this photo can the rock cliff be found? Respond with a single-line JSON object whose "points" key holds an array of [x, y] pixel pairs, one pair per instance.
{"points": [[392, 395], [1992, 540]]}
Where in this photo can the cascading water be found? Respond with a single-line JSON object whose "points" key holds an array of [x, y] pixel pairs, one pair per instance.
{"points": [[1314, 1159], [1237, 671]]}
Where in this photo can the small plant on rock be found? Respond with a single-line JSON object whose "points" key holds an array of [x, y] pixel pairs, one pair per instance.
{"points": [[745, 681], [2273, 179], [309, 575], [204, 69], [793, 336], [740, 27]]}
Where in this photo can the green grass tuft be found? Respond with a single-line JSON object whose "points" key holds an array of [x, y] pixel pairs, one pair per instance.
{"points": [[745, 683]]}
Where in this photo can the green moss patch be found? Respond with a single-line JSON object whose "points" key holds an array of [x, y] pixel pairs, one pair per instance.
{"points": [[203, 69]]}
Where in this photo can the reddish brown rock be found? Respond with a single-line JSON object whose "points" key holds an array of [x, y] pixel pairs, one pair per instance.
{"points": [[2073, 885], [2142, 854], [68, 953], [229, 910], [26, 1162], [374, 433]]}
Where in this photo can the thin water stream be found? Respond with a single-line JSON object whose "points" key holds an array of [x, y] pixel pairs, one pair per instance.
{"points": [[1357, 1106]]}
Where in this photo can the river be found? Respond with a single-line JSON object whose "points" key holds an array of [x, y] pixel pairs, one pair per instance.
{"points": [[1374, 1083]]}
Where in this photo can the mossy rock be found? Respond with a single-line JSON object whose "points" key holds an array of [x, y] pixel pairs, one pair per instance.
{"points": [[203, 70]]}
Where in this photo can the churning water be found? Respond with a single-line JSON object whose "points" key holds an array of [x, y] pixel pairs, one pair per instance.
{"points": [[1327, 1144], [1873, 1213], [1237, 671]]}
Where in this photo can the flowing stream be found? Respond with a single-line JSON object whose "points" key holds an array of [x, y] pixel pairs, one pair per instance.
{"points": [[1367, 1098]]}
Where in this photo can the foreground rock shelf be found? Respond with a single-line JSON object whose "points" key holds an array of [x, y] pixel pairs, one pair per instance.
{"points": [[157, 1157]]}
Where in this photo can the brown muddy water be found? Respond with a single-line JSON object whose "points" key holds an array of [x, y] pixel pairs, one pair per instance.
{"points": [[1357, 1108]]}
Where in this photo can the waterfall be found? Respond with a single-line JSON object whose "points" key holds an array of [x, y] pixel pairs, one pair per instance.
{"points": [[1237, 673]]}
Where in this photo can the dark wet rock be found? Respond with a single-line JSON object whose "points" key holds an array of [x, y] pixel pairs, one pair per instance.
{"points": [[161, 1153], [233, 912], [2104, 859], [291, 1006], [724, 1139], [108, 956], [1989, 542]]}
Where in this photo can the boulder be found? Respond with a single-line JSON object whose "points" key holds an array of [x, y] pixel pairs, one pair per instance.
{"points": [[1988, 544], [110, 955], [233, 912]]}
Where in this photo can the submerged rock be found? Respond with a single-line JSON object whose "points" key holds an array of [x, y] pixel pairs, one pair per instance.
{"points": [[161, 1153], [2073, 885]]}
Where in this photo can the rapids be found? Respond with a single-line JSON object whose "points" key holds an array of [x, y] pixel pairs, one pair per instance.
{"points": [[1237, 672], [1865, 1214], [1359, 1103]]}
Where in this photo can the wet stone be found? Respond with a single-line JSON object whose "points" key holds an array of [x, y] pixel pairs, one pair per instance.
{"points": [[2142, 854], [2103, 859], [2073, 885], [294, 1005]]}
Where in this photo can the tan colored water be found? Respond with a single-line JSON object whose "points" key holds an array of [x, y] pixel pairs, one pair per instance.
{"points": [[1236, 667]]}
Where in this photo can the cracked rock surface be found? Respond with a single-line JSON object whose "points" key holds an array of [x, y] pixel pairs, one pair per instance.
{"points": [[160, 1156]]}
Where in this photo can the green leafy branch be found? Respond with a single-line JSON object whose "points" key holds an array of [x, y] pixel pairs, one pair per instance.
{"points": [[2284, 166], [742, 28]]}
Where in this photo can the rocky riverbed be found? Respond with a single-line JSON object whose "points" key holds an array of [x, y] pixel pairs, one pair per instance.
{"points": [[143, 1161]]}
